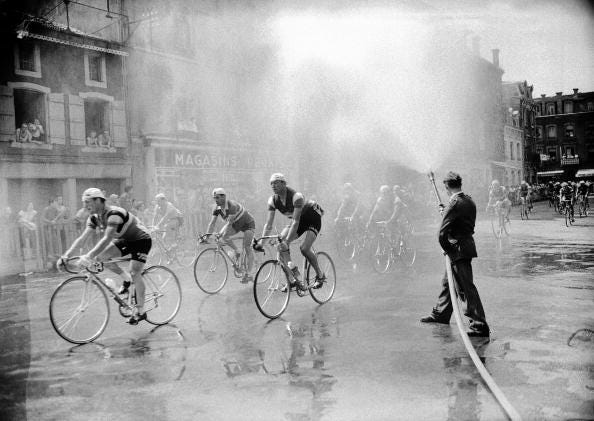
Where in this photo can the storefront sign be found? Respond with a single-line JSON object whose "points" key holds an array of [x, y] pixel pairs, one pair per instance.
{"points": [[244, 160]]}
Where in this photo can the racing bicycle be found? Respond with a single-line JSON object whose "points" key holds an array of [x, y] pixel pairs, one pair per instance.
{"points": [[567, 211], [500, 223], [79, 307], [183, 251], [393, 248], [274, 281]]}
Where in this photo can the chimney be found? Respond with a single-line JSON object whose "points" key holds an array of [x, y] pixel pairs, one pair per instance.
{"points": [[543, 95], [559, 93], [476, 48], [575, 91], [495, 52]]}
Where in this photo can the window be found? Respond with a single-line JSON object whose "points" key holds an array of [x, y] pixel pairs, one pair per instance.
{"points": [[569, 130], [29, 108], [568, 107], [590, 106], [551, 132], [96, 117], [552, 152], [518, 152], [550, 109], [568, 151], [511, 150], [95, 69], [539, 132], [27, 60]]}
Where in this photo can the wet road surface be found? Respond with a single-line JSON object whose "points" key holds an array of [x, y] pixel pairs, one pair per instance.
{"points": [[362, 356]]}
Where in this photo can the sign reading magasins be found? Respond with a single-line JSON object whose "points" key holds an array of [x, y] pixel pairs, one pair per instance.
{"points": [[206, 160]]}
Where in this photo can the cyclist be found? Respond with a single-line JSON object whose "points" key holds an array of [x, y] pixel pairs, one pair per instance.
{"points": [[396, 223], [349, 206], [167, 217], [237, 219], [383, 208], [306, 218], [566, 195], [526, 194], [122, 234], [582, 192], [498, 199]]}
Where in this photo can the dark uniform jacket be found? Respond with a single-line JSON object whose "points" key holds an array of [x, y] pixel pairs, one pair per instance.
{"points": [[457, 228]]}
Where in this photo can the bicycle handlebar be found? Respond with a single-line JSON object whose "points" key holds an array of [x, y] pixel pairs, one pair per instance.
{"points": [[95, 267]]}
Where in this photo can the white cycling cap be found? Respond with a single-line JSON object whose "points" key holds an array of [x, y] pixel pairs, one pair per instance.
{"points": [[160, 196], [277, 177], [92, 193], [218, 191]]}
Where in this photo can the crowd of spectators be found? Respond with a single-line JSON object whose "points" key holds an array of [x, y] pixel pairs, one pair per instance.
{"points": [[31, 132], [101, 140]]}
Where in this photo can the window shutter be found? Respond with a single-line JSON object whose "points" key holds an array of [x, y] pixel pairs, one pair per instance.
{"points": [[57, 121], [7, 123], [120, 138], [77, 120]]}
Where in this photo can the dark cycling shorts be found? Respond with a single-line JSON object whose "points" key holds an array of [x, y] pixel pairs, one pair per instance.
{"points": [[311, 220], [139, 249], [245, 223]]}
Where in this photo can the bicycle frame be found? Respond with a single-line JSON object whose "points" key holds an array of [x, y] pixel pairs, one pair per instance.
{"points": [[239, 265]]}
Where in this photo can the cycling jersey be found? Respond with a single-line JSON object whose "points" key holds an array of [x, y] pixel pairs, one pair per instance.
{"points": [[582, 190], [243, 220], [384, 207], [311, 214], [524, 188], [497, 193], [128, 227], [167, 212], [566, 193]]}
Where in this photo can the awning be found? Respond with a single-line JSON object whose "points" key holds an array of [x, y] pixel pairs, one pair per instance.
{"points": [[549, 173], [585, 173]]}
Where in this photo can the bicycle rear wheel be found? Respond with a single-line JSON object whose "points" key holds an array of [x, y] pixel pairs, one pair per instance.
{"points": [[186, 251], [211, 270], [322, 294], [162, 296], [79, 310], [271, 289]]}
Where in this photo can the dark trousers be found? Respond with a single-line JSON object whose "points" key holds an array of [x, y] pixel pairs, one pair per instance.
{"points": [[462, 271]]}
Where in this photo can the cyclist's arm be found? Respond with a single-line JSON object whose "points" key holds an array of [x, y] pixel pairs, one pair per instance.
{"points": [[269, 221], [79, 241], [292, 233], [211, 224]]}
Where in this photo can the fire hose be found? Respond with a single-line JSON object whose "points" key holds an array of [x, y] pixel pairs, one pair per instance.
{"points": [[495, 390]]}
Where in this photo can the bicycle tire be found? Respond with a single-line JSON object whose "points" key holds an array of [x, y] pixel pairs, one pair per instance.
{"points": [[162, 296], [495, 225], [271, 289], [566, 213], [186, 251], [382, 256], [208, 262], [345, 244], [79, 302], [407, 252], [324, 293]]}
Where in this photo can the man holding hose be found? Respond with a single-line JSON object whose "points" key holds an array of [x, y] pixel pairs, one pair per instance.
{"points": [[455, 238]]}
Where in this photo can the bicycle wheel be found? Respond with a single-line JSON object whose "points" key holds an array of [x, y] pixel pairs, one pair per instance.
{"points": [[79, 310], [271, 289], [567, 218], [162, 295], [186, 251], [322, 294], [211, 270], [345, 245], [408, 251], [495, 224], [381, 257]]}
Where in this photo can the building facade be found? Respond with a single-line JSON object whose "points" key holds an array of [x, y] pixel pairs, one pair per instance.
{"points": [[563, 147]]}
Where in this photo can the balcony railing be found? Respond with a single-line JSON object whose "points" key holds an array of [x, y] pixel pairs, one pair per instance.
{"points": [[570, 161]]}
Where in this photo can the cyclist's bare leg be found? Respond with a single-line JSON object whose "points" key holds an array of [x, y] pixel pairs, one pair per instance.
{"points": [[248, 236], [306, 250], [226, 233], [136, 273], [284, 248]]}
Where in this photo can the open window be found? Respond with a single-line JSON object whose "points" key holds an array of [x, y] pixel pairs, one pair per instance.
{"points": [[569, 131], [96, 119], [552, 132], [30, 112]]}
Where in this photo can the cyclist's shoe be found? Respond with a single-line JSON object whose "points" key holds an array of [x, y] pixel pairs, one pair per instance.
{"points": [[137, 318], [319, 281], [292, 285], [124, 288]]}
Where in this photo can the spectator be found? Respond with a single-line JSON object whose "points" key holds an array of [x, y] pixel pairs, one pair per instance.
{"points": [[22, 134], [35, 134], [80, 218], [63, 211], [50, 213], [113, 200], [126, 199], [27, 220], [105, 140], [92, 139], [38, 133]]}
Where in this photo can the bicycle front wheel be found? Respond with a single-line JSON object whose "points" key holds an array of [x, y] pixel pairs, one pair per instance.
{"points": [[382, 256], [186, 251], [79, 310], [408, 252], [271, 289], [322, 294], [345, 245], [162, 295], [211, 270]]}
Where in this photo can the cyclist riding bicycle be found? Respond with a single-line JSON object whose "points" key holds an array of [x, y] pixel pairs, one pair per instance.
{"points": [[526, 194], [306, 218], [566, 195], [349, 206], [383, 208], [397, 222], [122, 234], [498, 199], [237, 219], [582, 192], [167, 217]]}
